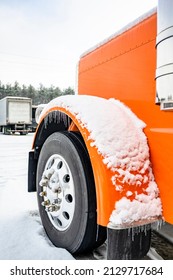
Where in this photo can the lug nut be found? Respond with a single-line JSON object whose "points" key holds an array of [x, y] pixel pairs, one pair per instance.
{"points": [[59, 190], [56, 188], [42, 194], [45, 203], [43, 182], [48, 173], [52, 208], [57, 201]]}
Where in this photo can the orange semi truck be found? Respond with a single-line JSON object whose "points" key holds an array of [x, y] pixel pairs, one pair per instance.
{"points": [[101, 161]]}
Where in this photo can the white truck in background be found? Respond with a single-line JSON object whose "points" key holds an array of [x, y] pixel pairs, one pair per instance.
{"points": [[15, 114]]}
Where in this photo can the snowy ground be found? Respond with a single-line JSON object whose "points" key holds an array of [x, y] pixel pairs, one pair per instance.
{"points": [[22, 236]]}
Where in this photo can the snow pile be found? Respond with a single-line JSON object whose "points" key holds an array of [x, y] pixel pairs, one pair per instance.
{"points": [[118, 136], [38, 111], [144, 207], [22, 236]]}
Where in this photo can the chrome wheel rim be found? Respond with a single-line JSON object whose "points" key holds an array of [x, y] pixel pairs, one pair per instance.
{"points": [[57, 191]]}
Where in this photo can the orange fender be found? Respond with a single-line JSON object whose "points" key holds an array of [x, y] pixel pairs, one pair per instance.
{"points": [[106, 191]]}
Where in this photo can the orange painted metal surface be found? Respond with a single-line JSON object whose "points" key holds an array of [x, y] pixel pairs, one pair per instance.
{"points": [[124, 68]]}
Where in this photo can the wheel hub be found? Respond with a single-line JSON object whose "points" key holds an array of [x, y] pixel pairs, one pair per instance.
{"points": [[58, 192]]}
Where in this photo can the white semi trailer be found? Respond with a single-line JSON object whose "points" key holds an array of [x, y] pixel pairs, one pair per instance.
{"points": [[15, 114]]}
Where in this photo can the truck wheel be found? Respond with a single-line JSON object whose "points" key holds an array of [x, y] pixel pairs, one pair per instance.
{"points": [[66, 194]]}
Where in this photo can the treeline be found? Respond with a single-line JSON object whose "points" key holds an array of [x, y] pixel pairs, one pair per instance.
{"points": [[39, 96]]}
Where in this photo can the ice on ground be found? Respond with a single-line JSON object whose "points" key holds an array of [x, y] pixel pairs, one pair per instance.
{"points": [[22, 236]]}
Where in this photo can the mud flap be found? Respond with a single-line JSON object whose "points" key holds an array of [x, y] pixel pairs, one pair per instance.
{"points": [[128, 244], [32, 168]]}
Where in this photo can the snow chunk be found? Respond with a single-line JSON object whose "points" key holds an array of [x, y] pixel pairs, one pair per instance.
{"points": [[143, 207], [129, 193]]}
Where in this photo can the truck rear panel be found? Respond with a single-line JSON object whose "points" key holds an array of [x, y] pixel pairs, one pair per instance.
{"points": [[15, 110], [19, 111], [124, 68]]}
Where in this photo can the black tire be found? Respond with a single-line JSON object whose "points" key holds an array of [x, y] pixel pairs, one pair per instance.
{"points": [[82, 232]]}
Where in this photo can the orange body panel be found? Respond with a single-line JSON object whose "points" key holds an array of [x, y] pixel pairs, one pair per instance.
{"points": [[124, 68]]}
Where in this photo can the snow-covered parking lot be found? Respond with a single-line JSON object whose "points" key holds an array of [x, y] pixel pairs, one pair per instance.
{"points": [[22, 236]]}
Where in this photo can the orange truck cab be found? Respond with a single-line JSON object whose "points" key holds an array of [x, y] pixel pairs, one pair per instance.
{"points": [[101, 161]]}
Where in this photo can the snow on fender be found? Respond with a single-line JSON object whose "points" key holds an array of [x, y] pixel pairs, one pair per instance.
{"points": [[114, 136]]}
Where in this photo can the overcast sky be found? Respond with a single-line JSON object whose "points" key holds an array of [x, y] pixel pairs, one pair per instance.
{"points": [[41, 40]]}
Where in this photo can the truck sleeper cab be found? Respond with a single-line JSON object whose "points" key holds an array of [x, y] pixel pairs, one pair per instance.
{"points": [[89, 190]]}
